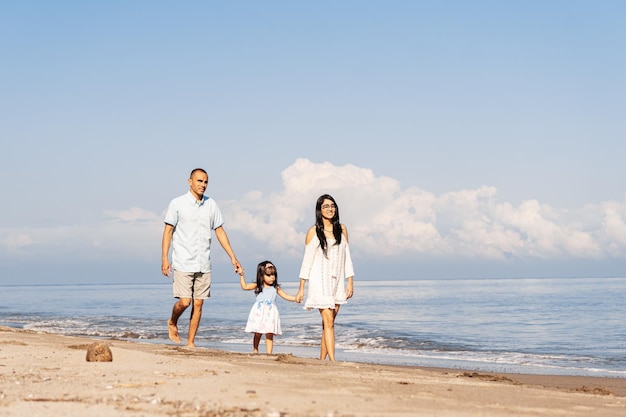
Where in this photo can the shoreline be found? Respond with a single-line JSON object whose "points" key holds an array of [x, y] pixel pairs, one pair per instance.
{"points": [[343, 355], [47, 374]]}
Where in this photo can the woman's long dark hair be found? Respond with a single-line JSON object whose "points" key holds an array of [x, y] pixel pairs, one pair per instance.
{"points": [[265, 267], [319, 224]]}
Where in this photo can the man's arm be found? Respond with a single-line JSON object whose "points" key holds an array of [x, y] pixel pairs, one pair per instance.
{"points": [[222, 237], [166, 268]]}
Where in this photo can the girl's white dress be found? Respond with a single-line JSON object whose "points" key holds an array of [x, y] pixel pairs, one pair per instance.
{"points": [[264, 317], [326, 274]]}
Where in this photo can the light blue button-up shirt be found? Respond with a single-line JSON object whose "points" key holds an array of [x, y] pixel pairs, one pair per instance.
{"points": [[193, 223]]}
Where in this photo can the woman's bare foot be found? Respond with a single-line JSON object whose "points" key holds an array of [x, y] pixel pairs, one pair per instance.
{"points": [[173, 332]]}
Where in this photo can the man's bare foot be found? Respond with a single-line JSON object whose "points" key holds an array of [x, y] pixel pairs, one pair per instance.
{"points": [[190, 345], [173, 332]]}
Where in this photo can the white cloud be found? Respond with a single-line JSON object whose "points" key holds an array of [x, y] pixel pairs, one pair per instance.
{"points": [[129, 234], [385, 222], [614, 227], [133, 215], [16, 240]]}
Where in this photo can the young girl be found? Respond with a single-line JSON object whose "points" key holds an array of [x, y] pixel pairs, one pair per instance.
{"points": [[264, 317]]}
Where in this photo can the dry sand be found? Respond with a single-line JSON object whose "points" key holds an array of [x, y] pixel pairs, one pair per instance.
{"points": [[47, 375]]}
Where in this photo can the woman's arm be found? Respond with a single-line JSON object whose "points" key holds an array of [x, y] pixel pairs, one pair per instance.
{"points": [[300, 294], [350, 288], [307, 261], [349, 267]]}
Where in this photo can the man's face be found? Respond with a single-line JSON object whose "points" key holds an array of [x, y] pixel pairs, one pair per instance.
{"points": [[198, 183]]}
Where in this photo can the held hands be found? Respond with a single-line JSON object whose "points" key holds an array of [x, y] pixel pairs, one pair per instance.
{"points": [[238, 268], [242, 277], [299, 296]]}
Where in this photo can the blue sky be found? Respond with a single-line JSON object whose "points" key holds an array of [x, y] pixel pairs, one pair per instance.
{"points": [[461, 139]]}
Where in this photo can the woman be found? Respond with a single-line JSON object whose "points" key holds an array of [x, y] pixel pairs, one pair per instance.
{"points": [[326, 265]]}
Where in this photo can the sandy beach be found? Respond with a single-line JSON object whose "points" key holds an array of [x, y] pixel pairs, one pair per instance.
{"points": [[48, 375]]}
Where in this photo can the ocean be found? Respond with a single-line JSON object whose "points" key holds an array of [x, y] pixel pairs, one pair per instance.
{"points": [[537, 326]]}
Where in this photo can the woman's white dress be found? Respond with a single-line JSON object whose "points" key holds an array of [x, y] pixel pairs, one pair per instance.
{"points": [[326, 274], [264, 317]]}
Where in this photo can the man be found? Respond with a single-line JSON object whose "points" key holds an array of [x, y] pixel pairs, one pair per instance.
{"points": [[189, 222]]}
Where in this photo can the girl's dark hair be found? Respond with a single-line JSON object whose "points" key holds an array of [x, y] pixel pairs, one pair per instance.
{"points": [[319, 224], [265, 267]]}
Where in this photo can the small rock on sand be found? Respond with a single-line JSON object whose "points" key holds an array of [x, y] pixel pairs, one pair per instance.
{"points": [[99, 352]]}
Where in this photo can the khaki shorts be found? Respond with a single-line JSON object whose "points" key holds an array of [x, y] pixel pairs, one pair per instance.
{"points": [[195, 285]]}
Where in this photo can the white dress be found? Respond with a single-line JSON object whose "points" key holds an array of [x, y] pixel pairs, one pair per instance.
{"points": [[264, 317], [326, 274]]}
